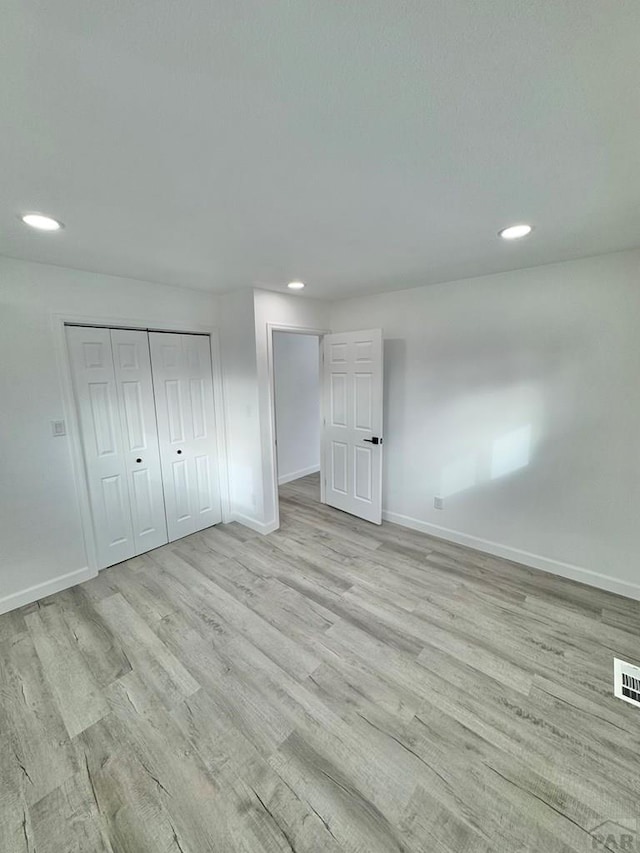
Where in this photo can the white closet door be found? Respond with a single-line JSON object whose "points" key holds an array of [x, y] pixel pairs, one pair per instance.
{"points": [[186, 429], [134, 386], [97, 399]]}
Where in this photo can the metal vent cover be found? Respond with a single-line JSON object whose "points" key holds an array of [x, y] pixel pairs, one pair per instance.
{"points": [[626, 681]]}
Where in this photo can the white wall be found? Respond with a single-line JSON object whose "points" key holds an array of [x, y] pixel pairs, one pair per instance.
{"points": [[41, 542], [295, 312], [516, 398], [296, 367], [245, 318], [244, 450]]}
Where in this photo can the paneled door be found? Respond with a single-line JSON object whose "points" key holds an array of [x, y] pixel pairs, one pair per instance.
{"points": [[97, 401], [351, 461], [186, 429], [134, 386]]}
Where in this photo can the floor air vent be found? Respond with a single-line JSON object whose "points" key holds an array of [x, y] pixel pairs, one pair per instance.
{"points": [[626, 681]]}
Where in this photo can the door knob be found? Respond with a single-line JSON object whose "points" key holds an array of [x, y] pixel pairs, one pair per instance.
{"points": [[373, 440], [138, 460], [178, 451]]}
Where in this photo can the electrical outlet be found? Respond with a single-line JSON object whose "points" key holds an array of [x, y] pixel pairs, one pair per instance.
{"points": [[58, 428], [438, 502]]}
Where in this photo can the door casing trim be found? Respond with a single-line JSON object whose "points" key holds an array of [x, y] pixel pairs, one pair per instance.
{"points": [[274, 524]]}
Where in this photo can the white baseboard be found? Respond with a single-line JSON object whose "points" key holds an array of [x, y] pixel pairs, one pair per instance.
{"points": [[287, 478], [263, 527], [516, 555], [42, 590]]}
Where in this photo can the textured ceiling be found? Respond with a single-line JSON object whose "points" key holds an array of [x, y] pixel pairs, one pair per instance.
{"points": [[358, 146]]}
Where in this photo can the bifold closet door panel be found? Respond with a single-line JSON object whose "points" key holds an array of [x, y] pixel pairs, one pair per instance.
{"points": [[98, 412], [183, 388], [132, 364]]}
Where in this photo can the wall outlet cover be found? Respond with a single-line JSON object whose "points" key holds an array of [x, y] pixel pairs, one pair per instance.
{"points": [[438, 502], [58, 428]]}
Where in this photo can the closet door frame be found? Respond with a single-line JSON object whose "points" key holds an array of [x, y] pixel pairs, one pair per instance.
{"points": [[59, 320]]}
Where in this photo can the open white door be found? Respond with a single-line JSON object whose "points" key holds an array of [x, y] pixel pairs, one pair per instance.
{"points": [[351, 462]]}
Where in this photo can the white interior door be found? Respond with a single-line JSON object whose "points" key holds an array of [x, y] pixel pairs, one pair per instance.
{"points": [[132, 364], [97, 399], [352, 428], [186, 429]]}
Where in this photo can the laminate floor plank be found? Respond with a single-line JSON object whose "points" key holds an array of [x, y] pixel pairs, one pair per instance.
{"points": [[143, 647], [16, 832], [334, 686], [69, 819], [78, 695], [99, 647], [12, 624], [142, 591], [239, 618], [37, 754]]}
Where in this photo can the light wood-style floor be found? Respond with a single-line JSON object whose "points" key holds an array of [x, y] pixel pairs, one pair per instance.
{"points": [[332, 687]]}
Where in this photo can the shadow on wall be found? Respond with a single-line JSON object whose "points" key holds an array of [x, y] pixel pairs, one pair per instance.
{"points": [[491, 415], [472, 405], [394, 399], [468, 421], [484, 435], [508, 453]]}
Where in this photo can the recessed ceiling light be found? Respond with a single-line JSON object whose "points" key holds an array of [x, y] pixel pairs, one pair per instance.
{"points": [[296, 285], [513, 232], [43, 223]]}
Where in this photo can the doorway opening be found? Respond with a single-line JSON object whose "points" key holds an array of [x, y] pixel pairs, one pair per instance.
{"points": [[340, 432], [298, 417]]}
